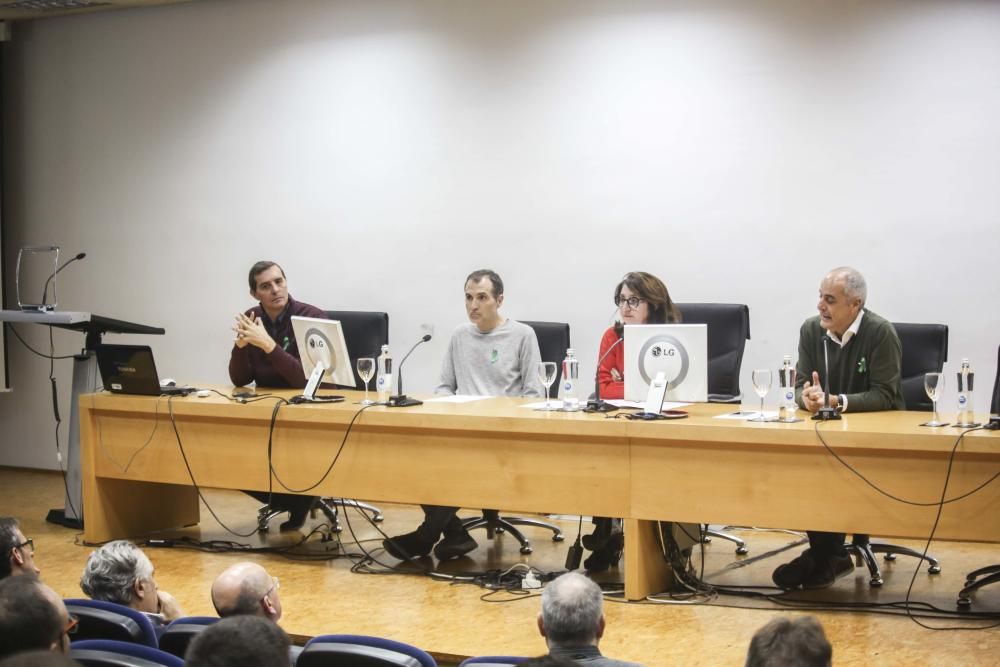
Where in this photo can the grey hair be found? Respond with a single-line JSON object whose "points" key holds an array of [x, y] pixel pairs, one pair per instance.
{"points": [[111, 572], [8, 541], [854, 283], [572, 607]]}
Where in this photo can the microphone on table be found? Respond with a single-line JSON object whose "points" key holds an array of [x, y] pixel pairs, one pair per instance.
{"points": [[401, 400], [45, 292], [596, 404], [826, 413]]}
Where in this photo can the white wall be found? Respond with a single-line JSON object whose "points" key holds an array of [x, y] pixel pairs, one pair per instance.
{"points": [[382, 150]]}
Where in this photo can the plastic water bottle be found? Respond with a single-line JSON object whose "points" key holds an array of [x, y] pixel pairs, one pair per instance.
{"points": [[786, 378], [966, 382], [570, 372], [383, 382]]}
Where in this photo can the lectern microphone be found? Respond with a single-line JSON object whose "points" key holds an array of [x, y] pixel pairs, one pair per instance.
{"points": [[826, 413], [401, 400], [45, 292]]}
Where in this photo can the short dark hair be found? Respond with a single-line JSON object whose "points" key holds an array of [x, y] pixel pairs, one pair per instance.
{"points": [[494, 277], [8, 542], [259, 268], [28, 619], [785, 642], [249, 641]]}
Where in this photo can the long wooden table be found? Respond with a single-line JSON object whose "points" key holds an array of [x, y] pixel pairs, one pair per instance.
{"points": [[495, 453]]}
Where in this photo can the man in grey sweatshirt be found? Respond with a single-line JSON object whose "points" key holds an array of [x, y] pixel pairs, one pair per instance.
{"points": [[489, 356]]}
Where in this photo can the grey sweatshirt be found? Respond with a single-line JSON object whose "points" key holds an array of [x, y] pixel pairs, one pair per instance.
{"points": [[501, 362]]}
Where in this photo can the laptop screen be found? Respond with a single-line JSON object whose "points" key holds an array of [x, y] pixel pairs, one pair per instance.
{"points": [[128, 369]]}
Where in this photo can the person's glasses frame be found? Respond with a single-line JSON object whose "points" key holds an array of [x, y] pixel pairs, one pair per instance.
{"points": [[632, 302], [275, 585], [72, 625], [30, 543]]}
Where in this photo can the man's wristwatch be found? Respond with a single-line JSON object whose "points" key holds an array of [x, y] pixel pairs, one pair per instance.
{"points": [[841, 402]]}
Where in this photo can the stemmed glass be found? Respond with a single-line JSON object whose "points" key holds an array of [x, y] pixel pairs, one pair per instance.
{"points": [[761, 378], [366, 369], [547, 375], [934, 385]]}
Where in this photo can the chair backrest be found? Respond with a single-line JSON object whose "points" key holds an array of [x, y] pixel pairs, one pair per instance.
{"points": [[365, 333], [108, 620], [110, 653], [925, 349], [493, 661], [995, 408], [553, 341], [728, 333], [361, 651], [179, 634]]}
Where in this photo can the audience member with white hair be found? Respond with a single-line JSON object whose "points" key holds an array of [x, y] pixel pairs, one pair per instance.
{"points": [[120, 572], [572, 621]]}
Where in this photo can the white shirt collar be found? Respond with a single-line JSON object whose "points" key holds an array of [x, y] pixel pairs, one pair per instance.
{"points": [[851, 330]]}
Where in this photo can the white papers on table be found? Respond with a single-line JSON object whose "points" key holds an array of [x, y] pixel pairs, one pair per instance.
{"points": [[639, 405], [542, 405], [745, 415], [456, 398]]}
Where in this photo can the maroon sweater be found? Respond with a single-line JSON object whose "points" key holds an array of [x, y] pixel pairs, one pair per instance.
{"points": [[280, 368]]}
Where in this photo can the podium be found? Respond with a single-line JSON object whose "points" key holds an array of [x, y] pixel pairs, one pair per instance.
{"points": [[84, 381]]}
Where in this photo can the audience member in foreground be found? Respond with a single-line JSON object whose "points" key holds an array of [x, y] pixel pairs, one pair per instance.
{"points": [[32, 617], [788, 643], [17, 551], [246, 589], [547, 661], [572, 620], [120, 572], [240, 641]]}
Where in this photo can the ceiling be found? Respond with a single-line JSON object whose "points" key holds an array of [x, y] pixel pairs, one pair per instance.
{"points": [[14, 10]]}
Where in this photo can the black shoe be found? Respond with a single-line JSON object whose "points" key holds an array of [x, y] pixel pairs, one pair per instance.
{"points": [[607, 556], [827, 571], [808, 571], [597, 539], [454, 545], [296, 519], [408, 546]]}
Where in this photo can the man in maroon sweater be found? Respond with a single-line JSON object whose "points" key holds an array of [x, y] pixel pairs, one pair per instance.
{"points": [[265, 352]]}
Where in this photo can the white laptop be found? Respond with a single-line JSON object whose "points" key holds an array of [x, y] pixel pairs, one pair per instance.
{"points": [[679, 351]]}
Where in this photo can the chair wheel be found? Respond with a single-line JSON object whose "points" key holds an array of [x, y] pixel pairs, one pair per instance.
{"points": [[377, 518], [706, 539], [963, 603], [742, 551], [558, 537], [890, 557], [934, 569], [875, 582], [498, 529], [526, 549]]}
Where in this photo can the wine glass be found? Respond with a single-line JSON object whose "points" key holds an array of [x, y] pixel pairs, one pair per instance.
{"points": [[761, 378], [934, 385], [547, 375], [366, 368]]}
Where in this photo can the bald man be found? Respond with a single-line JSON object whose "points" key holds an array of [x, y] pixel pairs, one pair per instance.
{"points": [[246, 589]]}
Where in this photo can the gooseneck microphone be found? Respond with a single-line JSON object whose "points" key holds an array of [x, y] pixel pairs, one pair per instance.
{"points": [[401, 400], [826, 413], [596, 404], [45, 292]]}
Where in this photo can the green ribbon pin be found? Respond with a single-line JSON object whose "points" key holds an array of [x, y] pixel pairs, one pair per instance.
{"points": [[863, 365]]}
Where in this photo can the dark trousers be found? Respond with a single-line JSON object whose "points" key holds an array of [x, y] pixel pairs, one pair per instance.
{"points": [[439, 520], [826, 545]]}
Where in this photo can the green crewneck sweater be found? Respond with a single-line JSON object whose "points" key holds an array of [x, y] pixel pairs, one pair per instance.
{"points": [[866, 370]]}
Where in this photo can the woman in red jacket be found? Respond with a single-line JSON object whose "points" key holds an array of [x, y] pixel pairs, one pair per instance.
{"points": [[642, 298]]}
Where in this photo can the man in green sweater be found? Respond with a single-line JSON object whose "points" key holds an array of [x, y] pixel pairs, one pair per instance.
{"points": [[865, 357]]}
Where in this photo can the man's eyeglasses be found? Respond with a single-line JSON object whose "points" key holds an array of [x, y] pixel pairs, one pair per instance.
{"points": [[72, 625], [275, 585], [633, 301], [27, 543]]}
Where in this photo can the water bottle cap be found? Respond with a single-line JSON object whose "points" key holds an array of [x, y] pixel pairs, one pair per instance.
{"points": [[385, 348], [965, 360], [569, 352], [788, 357]]}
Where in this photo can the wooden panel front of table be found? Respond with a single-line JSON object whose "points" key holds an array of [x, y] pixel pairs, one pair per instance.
{"points": [[495, 453]]}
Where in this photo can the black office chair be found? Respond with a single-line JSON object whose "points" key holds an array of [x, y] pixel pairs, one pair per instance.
{"points": [[181, 632], [728, 333], [925, 349], [990, 574], [553, 341], [365, 333]]}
